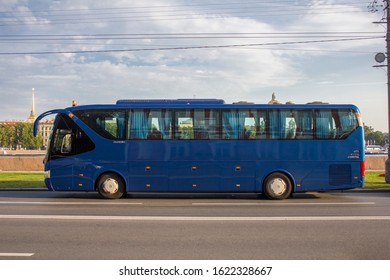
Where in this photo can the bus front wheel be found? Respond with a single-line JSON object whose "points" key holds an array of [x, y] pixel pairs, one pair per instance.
{"points": [[110, 186], [277, 186]]}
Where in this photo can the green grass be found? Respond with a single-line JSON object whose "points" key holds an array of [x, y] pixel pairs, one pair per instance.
{"points": [[16, 180], [373, 180]]}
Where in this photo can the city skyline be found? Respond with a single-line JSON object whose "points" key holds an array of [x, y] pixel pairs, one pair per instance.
{"points": [[95, 52]]}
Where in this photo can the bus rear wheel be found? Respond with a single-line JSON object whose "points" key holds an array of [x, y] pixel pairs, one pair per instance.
{"points": [[277, 186], [110, 186]]}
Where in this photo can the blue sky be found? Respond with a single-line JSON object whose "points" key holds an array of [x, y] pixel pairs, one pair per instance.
{"points": [[101, 51]]}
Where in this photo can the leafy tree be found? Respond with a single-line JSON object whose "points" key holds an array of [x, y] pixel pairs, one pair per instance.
{"points": [[375, 137], [28, 140], [18, 136], [6, 135]]}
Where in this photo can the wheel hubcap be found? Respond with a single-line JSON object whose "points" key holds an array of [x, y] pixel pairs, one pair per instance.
{"points": [[277, 186], [110, 186]]}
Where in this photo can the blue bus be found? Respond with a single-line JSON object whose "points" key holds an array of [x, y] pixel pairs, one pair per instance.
{"points": [[204, 146]]}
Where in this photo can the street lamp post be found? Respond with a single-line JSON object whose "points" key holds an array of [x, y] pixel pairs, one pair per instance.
{"points": [[387, 164]]}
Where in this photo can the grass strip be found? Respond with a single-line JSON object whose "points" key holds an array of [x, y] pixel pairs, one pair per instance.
{"points": [[21, 180], [375, 180]]}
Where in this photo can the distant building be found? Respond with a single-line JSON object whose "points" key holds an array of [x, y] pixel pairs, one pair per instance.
{"points": [[44, 126], [32, 116], [10, 122], [44, 130]]}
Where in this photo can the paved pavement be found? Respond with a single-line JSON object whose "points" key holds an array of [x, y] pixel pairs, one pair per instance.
{"points": [[66, 225]]}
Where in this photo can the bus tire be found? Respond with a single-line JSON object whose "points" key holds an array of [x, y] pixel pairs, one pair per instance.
{"points": [[111, 186], [277, 186]]}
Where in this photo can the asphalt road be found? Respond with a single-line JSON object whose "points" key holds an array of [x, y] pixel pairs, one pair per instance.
{"points": [[47, 225]]}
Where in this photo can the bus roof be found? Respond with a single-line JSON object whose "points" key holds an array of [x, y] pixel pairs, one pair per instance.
{"points": [[170, 101], [203, 103]]}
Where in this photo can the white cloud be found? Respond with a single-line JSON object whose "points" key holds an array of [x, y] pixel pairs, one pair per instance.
{"points": [[251, 73]]}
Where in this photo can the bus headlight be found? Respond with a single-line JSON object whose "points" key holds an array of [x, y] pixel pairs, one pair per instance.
{"points": [[46, 174]]}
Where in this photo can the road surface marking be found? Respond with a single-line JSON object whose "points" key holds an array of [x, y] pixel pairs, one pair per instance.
{"points": [[198, 218], [70, 203], [280, 203], [193, 203], [17, 254]]}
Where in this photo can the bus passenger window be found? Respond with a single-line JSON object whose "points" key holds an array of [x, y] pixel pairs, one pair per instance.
{"points": [[230, 125], [290, 126], [346, 122], [325, 125], [150, 124], [184, 124], [154, 134], [159, 124], [109, 124], [304, 122], [240, 124], [206, 124], [250, 129], [185, 128]]}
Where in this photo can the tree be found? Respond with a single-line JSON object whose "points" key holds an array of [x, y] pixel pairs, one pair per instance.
{"points": [[27, 139], [6, 135], [19, 135], [373, 137]]}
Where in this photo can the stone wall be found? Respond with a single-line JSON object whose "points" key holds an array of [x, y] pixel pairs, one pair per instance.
{"points": [[21, 163], [34, 163], [375, 162]]}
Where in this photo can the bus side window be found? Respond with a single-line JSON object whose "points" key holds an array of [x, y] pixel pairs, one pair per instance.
{"points": [[159, 124], [346, 122], [325, 125], [231, 126], [206, 124], [304, 122], [109, 124], [250, 130], [184, 128], [261, 124], [290, 125], [138, 124]]}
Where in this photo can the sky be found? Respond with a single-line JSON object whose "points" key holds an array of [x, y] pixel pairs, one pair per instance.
{"points": [[96, 52]]}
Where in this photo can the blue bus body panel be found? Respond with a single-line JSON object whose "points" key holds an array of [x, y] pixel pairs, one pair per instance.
{"points": [[209, 165], [221, 166]]}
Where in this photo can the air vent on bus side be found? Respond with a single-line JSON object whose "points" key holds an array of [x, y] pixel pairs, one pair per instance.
{"points": [[339, 174]]}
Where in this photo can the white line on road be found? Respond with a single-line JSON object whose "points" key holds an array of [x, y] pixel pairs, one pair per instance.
{"points": [[280, 203], [17, 254], [197, 218], [70, 203], [193, 203]]}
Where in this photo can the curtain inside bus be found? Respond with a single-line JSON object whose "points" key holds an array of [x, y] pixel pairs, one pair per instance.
{"points": [[165, 124], [233, 123], [138, 124]]}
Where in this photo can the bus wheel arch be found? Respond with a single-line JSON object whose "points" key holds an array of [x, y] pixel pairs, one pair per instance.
{"points": [[278, 185], [110, 185]]}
